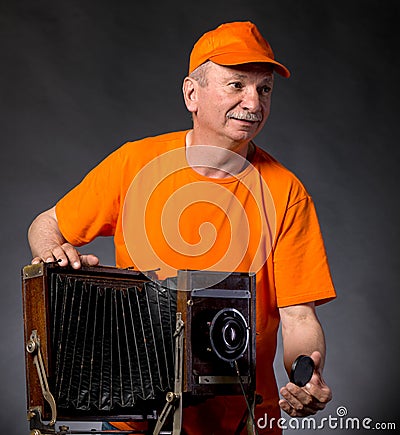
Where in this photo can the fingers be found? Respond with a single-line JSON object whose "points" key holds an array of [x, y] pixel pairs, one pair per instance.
{"points": [[319, 390], [89, 260], [46, 256], [300, 402], [293, 411], [66, 254], [296, 401]]}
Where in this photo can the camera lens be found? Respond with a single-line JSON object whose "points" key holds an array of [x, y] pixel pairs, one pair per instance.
{"points": [[229, 334], [232, 334]]}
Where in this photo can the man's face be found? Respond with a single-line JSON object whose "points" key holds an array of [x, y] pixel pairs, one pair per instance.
{"points": [[235, 103]]}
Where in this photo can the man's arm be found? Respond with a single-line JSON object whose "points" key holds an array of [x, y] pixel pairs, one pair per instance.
{"points": [[302, 334], [48, 244]]}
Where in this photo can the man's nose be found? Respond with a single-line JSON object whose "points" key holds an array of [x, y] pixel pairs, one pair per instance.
{"points": [[251, 100]]}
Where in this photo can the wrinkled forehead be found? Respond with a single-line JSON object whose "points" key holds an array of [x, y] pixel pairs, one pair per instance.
{"points": [[263, 71]]}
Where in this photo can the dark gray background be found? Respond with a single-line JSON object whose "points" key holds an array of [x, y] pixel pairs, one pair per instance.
{"points": [[79, 78]]}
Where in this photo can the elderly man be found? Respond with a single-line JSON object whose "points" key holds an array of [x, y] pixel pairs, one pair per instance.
{"points": [[235, 208]]}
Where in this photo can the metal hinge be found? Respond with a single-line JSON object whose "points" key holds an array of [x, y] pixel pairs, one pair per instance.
{"points": [[33, 347]]}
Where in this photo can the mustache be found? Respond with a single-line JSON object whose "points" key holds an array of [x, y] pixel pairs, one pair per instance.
{"points": [[246, 116]]}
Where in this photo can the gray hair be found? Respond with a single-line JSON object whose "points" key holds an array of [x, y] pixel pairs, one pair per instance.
{"points": [[200, 74]]}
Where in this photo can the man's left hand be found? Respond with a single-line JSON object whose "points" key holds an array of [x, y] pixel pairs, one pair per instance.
{"points": [[307, 400]]}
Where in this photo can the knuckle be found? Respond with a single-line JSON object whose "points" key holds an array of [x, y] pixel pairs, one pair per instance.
{"points": [[308, 400], [285, 393], [324, 400], [57, 250], [66, 247]]}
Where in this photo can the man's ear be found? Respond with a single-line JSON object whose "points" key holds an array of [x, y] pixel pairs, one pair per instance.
{"points": [[189, 89]]}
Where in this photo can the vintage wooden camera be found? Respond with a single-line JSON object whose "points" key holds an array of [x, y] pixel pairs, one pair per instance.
{"points": [[104, 343]]}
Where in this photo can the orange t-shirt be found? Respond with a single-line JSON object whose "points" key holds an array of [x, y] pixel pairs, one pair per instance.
{"points": [[164, 215]]}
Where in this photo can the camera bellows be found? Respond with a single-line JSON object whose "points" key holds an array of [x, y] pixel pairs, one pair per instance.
{"points": [[113, 345]]}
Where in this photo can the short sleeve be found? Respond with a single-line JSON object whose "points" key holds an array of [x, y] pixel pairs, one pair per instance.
{"points": [[91, 208], [301, 270]]}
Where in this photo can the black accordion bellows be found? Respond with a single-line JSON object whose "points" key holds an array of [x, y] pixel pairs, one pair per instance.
{"points": [[113, 345]]}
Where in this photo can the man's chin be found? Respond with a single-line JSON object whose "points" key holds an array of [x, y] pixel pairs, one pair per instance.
{"points": [[246, 131], [241, 137]]}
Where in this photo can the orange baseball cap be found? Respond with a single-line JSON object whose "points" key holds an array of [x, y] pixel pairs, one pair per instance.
{"points": [[234, 44]]}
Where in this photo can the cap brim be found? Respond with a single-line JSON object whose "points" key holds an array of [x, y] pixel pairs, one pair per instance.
{"points": [[229, 59]]}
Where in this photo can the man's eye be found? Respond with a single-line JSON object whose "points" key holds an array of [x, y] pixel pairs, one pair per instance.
{"points": [[265, 89], [236, 85]]}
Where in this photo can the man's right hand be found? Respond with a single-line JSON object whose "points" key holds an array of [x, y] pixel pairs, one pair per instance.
{"points": [[66, 254], [49, 245]]}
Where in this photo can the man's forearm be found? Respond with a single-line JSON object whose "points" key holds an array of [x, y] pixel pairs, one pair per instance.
{"points": [[301, 334], [44, 235]]}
